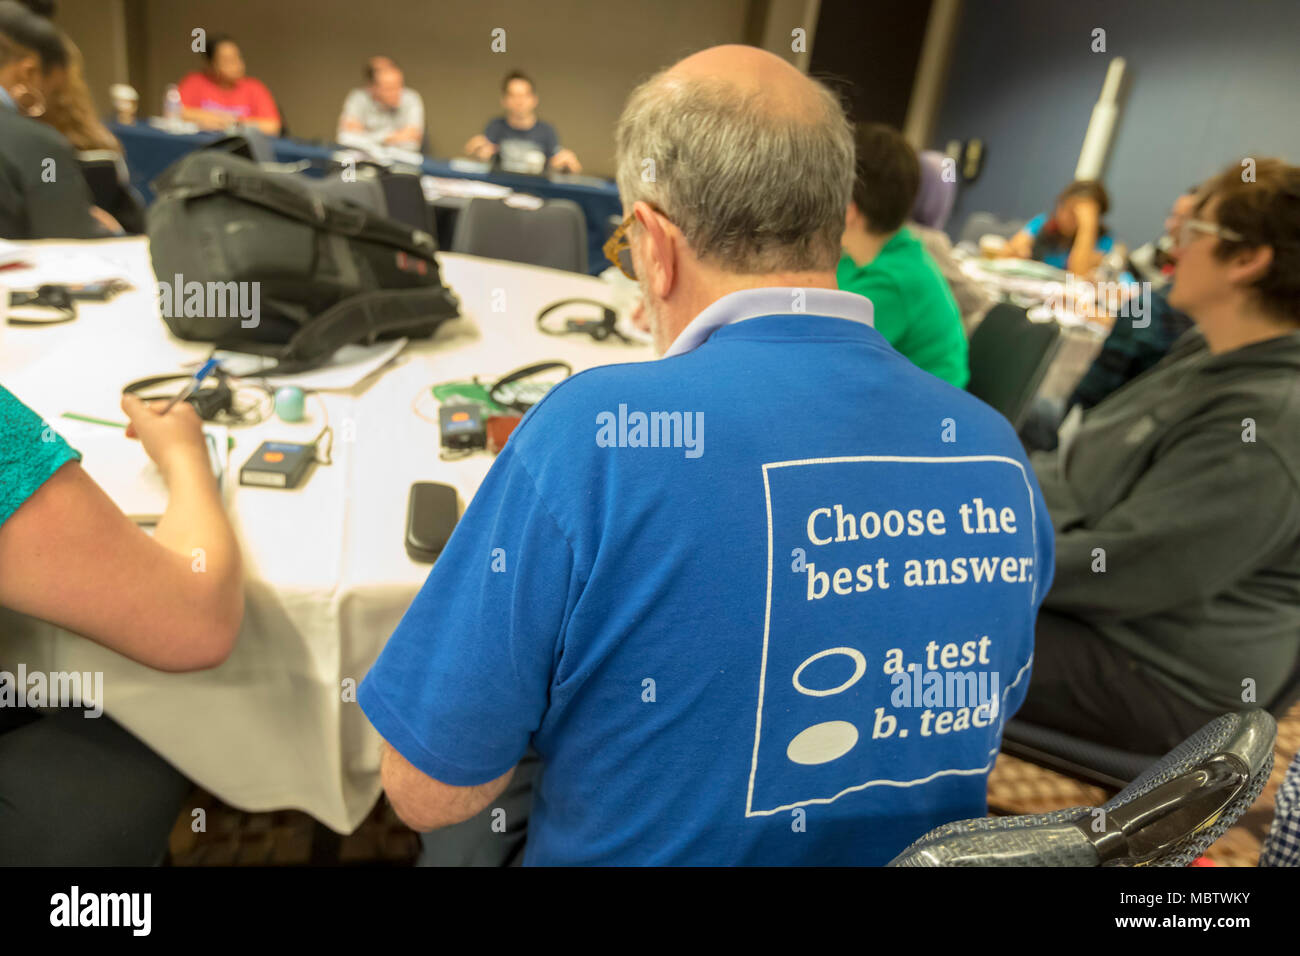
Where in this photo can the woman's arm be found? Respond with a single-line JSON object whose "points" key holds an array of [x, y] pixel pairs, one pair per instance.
{"points": [[174, 601], [1083, 253]]}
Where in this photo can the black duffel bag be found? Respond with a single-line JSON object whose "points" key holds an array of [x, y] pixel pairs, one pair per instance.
{"points": [[323, 273]]}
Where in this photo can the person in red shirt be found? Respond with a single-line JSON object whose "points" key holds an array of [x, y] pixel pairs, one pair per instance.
{"points": [[222, 94]]}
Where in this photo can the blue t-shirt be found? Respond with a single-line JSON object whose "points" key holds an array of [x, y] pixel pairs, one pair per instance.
{"points": [[541, 134], [1060, 255], [30, 452], [662, 608]]}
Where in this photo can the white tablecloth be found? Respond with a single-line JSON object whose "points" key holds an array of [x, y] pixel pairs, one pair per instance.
{"points": [[327, 577]]}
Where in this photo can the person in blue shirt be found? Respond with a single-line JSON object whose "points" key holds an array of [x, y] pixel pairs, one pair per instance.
{"points": [[521, 141], [766, 600], [1073, 237]]}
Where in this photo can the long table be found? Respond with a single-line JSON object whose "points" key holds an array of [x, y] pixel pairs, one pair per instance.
{"points": [[327, 577], [150, 150]]}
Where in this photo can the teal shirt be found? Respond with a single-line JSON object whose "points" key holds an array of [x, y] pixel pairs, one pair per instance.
{"points": [[30, 452], [914, 308]]}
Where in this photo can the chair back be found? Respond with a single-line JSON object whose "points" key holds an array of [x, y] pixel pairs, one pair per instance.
{"points": [[1168, 816], [554, 235], [1009, 355]]}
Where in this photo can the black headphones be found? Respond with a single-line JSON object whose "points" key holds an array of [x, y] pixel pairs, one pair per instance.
{"points": [[212, 398], [599, 329], [526, 372]]}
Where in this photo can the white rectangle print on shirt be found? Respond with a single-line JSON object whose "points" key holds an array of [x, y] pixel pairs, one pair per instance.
{"points": [[899, 619]]}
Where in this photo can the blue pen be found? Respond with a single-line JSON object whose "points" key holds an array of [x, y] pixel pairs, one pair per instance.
{"points": [[192, 385]]}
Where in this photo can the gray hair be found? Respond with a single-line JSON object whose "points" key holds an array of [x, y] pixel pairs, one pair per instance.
{"points": [[752, 189]]}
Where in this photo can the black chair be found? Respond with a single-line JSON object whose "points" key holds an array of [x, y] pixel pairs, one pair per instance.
{"points": [[554, 235], [111, 189], [1098, 764], [404, 197], [1168, 816], [1009, 355]]}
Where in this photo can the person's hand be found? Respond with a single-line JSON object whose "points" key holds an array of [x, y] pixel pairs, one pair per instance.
{"points": [[1087, 212], [566, 161], [107, 221], [174, 440], [480, 147]]}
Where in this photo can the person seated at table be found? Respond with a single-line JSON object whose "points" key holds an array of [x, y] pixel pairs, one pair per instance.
{"points": [[43, 194], [1132, 346], [78, 790], [1074, 238], [1177, 593], [623, 635], [386, 112], [1154, 261], [519, 135], [223, 94], [913, 307]]}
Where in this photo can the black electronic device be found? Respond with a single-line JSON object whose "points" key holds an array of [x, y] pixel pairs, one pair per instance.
{"points": [[277, 464], [431, 515], [462, 427], [599, 329]]}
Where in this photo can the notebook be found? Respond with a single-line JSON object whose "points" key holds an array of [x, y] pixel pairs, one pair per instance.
{"points": [[125, 471]]}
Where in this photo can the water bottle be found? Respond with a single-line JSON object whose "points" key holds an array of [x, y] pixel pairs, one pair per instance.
{"points": [[172, 106]]}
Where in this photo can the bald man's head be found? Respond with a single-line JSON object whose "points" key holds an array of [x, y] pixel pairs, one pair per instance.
{"points": [[749, 158], [750, 70]]}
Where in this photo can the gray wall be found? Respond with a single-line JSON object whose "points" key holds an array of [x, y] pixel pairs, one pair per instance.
{"points": [[1209, 81]]}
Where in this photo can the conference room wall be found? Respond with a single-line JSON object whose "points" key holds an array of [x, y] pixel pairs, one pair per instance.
{"points": [[585, 55], [1208, 82]]}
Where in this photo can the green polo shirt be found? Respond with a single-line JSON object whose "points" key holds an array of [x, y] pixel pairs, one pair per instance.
{"points": [[914, 308]]}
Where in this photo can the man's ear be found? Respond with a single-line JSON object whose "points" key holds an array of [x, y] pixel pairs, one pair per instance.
{"points": [[656, 249], [1247, 266]]}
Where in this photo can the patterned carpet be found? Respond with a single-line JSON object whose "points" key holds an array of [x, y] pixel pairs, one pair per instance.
{"points": [[289, 838]]}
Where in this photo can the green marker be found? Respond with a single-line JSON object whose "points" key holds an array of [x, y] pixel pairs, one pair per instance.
{"points": [[93, 421]]}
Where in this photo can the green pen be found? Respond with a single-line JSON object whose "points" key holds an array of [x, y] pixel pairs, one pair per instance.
{"points": [[93, 421]]}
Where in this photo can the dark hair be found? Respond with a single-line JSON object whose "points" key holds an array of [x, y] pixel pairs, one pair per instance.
{"points": [[42, 8], [886, 178], [1086, 189], [214, 44], [517, 75], [1265, 212], [26, 31]]}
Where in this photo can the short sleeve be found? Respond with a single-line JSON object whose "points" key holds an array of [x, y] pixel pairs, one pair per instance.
{"points": [[492, 131], [413, 112], [1035, 225], [464, 681], [264, 103], [30, 452], [552, 145]]}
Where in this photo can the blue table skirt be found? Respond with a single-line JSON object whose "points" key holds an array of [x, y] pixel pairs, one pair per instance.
{"points": [[149, 151]]}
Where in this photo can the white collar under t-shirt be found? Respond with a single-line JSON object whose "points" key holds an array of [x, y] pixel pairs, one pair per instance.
{"points": [[771, 300]]}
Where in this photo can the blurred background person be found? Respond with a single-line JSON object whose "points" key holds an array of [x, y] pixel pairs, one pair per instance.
{"points": [[43, 194], [223, 94], [913, 307], [386, 112], [1074, 237], [518, 133], [1187, 482]]}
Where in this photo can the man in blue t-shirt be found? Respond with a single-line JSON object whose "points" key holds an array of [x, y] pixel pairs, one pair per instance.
{"points": [[522, 142], [768, 600]]}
